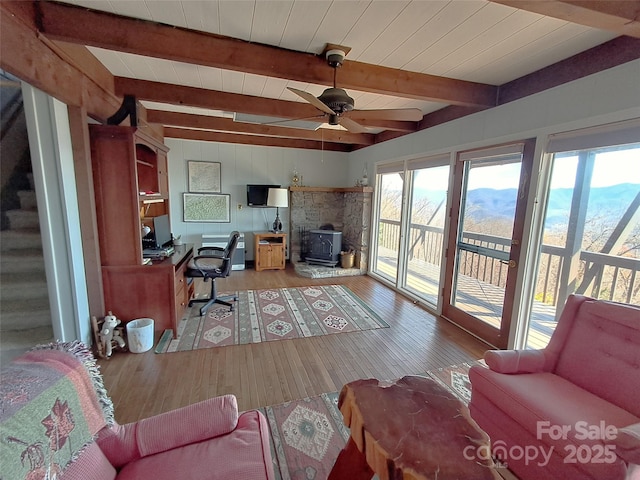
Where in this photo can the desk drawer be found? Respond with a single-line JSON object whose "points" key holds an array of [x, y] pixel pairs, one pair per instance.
{"points": [[180, 279], [181, 302]]}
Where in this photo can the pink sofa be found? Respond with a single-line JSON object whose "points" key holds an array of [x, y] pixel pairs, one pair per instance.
{"points": [[571, 410], [57, 422]]}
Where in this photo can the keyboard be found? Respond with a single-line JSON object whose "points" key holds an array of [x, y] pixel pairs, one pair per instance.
{"points": [[158, 252]]}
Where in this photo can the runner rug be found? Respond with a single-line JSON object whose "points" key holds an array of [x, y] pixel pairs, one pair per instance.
{"points": [[273, 314], [307, 435]]}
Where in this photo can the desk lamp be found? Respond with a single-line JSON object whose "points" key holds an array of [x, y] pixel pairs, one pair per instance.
{"points": [[278, 197]]}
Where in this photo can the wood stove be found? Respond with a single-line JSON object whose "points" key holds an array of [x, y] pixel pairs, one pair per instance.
{"points": [[324, 247]]}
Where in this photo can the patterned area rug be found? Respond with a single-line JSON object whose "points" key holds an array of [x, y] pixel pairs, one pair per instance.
{"points": [[273, 314], [307, 435]]}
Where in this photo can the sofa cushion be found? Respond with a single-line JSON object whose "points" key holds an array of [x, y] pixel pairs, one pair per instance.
{"points": [[240, 455], [543, 401], [605, 338]]}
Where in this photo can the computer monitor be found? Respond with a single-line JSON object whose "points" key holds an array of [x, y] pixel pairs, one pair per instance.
{"points": [[162, 231]]}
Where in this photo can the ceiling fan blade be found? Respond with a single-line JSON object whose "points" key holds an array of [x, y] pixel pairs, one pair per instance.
{"points": [[352, 125], [397, 114], [312, 100], [291, 122]]}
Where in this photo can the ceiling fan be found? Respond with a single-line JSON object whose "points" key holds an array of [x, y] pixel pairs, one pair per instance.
{"points": [[335, 102]]}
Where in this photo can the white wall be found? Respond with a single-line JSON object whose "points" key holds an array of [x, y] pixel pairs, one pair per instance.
{"points": [[243, 164]]}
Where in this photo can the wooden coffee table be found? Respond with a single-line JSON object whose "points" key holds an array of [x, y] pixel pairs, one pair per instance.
{"points": [[411, 429]]}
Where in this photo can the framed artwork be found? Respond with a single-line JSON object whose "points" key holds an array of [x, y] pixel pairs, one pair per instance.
{"points": [[204, 177], [207, 207]]}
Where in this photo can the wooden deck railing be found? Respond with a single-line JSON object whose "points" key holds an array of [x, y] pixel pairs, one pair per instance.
{"points": [[598, 275]]}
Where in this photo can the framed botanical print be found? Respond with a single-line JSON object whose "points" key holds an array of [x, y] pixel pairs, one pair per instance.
{"points": [[204, 177], [207, 207]]}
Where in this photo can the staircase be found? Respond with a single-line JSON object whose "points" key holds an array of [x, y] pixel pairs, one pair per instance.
{"points": [[25, 317]]}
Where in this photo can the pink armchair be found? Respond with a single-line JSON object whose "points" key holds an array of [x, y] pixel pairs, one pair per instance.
{"points": [[57, 422], [571, 410]]}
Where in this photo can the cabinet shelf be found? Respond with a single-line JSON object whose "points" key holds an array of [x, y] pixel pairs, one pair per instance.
{"points": [[146, 164]]}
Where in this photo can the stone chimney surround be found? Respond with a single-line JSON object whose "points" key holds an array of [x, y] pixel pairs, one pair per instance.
{"points": [[348, 209]]}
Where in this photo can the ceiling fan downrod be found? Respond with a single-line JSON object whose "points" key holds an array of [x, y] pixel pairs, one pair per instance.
{"points": [[336, 98]]}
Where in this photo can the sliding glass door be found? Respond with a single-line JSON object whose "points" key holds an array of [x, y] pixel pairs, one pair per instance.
{"points": [[491, 190], [427, 217], [410, 235], [390, 191]]}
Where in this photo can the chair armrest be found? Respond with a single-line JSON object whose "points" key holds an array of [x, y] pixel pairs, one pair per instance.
{"points": [[627, 443], [194, 423], [515, 361], [203, 420]]}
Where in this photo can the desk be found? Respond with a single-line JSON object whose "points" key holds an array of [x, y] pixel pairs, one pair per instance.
{"points": [[157, 291], [413, 428]]}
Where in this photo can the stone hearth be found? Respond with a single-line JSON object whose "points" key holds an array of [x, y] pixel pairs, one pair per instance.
{"points": [[320, 271]]}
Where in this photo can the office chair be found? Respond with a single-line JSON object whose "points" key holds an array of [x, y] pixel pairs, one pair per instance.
{"points": [[212, 263]]}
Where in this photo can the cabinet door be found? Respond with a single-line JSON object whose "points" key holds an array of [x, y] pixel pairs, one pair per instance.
{"points": [[263, 257], [277, 256], [116, 195], [163, 175]]}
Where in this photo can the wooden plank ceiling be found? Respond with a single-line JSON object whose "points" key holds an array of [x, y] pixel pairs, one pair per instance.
{"points": [[197, 66]]}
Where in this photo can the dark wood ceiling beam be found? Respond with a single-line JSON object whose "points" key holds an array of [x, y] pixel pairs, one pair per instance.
{"points": [[233, 102], [446, 114], [80, 25], [213, 99], [621, 16], [394, 125], [24, 54], [615, 52], [209, 136], [205, 122]]}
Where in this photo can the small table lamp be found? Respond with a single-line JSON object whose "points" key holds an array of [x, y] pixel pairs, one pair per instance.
{"points": [[278, 197]]}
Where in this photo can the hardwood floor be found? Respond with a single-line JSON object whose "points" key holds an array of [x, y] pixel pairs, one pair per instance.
{"points": [[269, 373]]}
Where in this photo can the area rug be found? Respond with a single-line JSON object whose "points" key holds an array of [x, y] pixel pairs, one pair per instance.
{"points": [[273, 314], [307, 435]]}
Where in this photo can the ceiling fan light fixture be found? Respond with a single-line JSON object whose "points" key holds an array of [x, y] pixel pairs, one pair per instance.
{"points": [[337, 100]]}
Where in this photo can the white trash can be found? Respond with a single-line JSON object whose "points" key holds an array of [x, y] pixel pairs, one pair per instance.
{"points": [[140, 335]]}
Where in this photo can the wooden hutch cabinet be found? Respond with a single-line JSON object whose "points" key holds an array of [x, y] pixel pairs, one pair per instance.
{"points": [[131, 188], [270, 251]]}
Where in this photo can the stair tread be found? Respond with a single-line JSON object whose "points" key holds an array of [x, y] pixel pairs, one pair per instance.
{"points": [[25, 279], [8, 307], [23, 253], [13, 233]]}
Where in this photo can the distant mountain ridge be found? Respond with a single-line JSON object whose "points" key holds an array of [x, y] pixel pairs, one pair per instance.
{"points": [[611, 201]]}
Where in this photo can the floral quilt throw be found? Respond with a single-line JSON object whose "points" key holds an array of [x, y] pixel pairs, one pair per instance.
{"points": [[52, 405]]}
